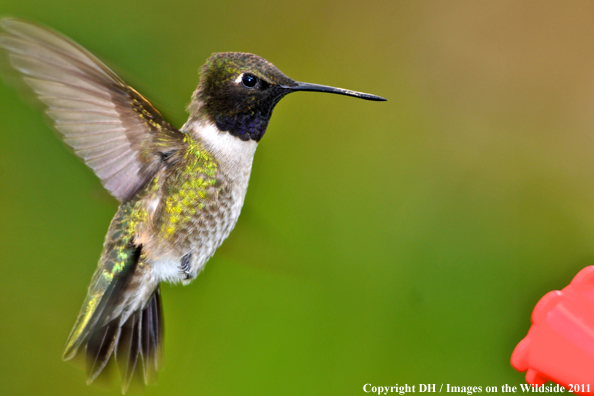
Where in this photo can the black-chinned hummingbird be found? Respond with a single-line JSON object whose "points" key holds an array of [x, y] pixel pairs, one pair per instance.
{"points": [[180, 190]]}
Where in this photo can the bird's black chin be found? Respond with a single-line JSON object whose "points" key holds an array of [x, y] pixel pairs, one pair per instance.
{"points": [[244, 126], [251, 122]]}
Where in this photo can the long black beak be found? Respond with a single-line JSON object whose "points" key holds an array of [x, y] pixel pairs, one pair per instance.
{"points": [[324, 88]]}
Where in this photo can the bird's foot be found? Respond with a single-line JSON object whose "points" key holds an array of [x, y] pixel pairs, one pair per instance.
{"points": [[185, 266]]}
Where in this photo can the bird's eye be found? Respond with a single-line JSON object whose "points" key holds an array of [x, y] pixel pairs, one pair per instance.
{"points": [[249, 80]]}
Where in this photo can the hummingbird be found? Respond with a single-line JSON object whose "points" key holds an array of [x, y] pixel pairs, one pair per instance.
{"points": [[180, 190]]}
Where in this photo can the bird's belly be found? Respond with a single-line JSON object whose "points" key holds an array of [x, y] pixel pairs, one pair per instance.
{"points": [[195, 239]]}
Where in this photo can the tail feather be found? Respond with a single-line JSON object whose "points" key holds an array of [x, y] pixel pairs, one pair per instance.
{"points": [[141, 340], [138, 337], [129, 349], [152, 333], [99, 348]]}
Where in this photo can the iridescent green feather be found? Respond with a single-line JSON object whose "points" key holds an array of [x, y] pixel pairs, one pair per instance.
{"points": [[188, 190], [117, 260]]}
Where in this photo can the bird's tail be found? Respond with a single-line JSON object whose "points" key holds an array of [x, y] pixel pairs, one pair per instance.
{"points": [[121, 316]]}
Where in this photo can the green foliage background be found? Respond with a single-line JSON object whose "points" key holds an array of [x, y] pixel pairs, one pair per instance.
{"points": [[383, 243]]}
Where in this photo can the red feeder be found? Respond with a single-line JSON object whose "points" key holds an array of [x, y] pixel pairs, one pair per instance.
{"points": [[559, 346]]}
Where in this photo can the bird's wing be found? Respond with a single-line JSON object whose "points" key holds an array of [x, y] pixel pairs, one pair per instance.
{"points": [[113, 128], [121, 315]]}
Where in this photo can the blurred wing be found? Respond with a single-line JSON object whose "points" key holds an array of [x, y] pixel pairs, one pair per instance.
{"points": [[115, 130]]}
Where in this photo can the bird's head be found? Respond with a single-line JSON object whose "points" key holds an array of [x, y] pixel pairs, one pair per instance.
{"points": [[238, 91]]}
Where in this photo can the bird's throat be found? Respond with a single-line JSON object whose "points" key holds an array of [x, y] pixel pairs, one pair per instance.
{"points": [[233, 155], [244, 126]]}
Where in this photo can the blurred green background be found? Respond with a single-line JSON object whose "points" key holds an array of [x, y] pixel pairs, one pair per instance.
{"points": [[383, 243]]}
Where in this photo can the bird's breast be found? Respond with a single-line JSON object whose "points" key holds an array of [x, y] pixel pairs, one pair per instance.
{"points": [[193, 206]]}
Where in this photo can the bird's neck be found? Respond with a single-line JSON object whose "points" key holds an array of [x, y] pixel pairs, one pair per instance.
{"points": [[233, 155]]}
